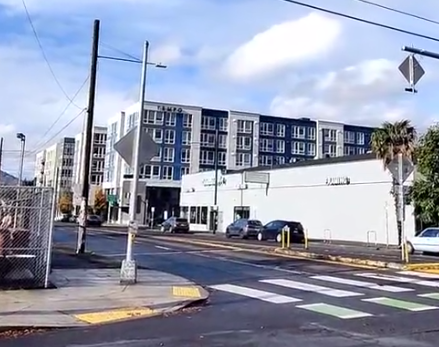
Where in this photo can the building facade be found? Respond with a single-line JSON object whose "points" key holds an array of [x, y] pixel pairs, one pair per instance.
{"points": [[344, 198], [99, 142], [191, 138]]}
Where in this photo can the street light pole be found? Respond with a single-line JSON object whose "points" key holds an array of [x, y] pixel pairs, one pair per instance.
{"points": [[215, 194], [22, 139], [128, 273]]}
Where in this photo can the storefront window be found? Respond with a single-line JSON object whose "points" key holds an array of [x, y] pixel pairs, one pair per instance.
{"points": [[203, 215], [193, 216], [184, 213]]}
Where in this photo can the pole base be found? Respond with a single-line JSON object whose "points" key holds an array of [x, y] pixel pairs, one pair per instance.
{"points": [[128, 272]]}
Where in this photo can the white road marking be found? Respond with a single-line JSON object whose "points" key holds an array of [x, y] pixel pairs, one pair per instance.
{"points": [[370, 285], [164, 248], [419, 274], [404, 305], [255, 294], [311, 288], [336, 311], [400, 279]]}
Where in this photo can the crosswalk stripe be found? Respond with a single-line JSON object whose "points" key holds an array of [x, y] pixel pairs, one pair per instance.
{"points": [[430, 296], [255, 294], [405, 305], [400, 279], [336, 311], [311, 288], [370, 285], [419, 274]]}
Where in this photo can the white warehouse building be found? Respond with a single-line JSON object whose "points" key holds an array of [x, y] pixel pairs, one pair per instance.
{"points": [[344, 198]]}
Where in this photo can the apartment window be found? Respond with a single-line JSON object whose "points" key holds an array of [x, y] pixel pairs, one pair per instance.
{"points": [[99, 139], [267, 129], [222, 141], [207, 140], [311, 149], [280, 146], [311, 133], [97, 165], [361, 150], [330, 150], [208, 123], [279, 160], [185, 170], [349, 137], [243, 159], [267, 145], [222, 158], [154, 117], [187, 120], [98, 152], [245, 126], [280, 130], [360, 138], [168, 154], [132, 120], [96, 179], [298, 147], [170, 119], [169, 137], [244, 143], [150, 172], [168, 173], [185, 155], [223, 124], [266, 160], [330, 135], [298, 132], [186, 138], [207, 157], [158, 157], [349, 150], [156, 134]]}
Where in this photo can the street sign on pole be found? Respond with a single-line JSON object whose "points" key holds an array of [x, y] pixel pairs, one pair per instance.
{"points": [[125, 147], [412, 70], [407, 168]]}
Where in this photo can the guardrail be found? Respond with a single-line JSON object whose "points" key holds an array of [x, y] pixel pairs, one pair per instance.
{"points": [[371, 233], [327, 236]]}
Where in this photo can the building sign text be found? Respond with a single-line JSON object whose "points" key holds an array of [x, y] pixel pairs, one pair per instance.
{"points": [[338, 181], [169, 109], [209, 182]]}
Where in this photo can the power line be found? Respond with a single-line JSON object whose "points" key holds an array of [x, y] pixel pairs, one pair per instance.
{"points": [[29, 18], [399, 11], [64, 111], [362, 20], [60, 130], [121, 52]]}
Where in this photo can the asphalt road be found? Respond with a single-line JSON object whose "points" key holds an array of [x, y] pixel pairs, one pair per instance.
{"points": [[264, 300]]}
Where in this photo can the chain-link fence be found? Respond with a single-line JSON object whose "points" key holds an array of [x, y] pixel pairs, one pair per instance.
{"points": [[26, 224]]}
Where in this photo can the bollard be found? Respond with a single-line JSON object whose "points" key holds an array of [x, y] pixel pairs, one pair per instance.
{"points": [[288, 236], [285, 236], [306, 238], [406, 252]]}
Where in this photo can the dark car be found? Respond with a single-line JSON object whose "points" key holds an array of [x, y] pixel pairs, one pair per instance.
{"points": [[273, 229], [175, 225], [94, 220], [244, 228]]}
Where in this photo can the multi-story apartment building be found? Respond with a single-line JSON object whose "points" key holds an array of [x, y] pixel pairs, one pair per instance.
{"points": [[189, 136], [56, 158], [99, 140]]}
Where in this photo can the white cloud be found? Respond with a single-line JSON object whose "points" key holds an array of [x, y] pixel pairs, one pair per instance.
{"points": [[283, 45], [367, 93], [167, 54]]}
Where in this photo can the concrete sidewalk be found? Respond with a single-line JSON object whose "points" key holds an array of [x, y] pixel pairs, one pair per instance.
{"points": [[88, 293]]}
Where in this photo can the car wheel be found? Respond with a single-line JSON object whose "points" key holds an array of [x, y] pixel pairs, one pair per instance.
{"points": [[410, 248], [260, 237], [228, 236], [162, 229], [279, 238]]}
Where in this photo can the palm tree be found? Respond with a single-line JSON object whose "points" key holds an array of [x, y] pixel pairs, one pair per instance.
{"points": [[389, 141]]}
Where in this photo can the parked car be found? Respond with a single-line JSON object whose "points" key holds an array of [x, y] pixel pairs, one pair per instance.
{"points": [[175, 225], [244, 228], [273, 230], [426, 241], [94, 220]]}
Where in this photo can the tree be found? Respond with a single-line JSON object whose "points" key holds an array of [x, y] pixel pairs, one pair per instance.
{"points": [[389, 141], [100, 202], [65, 202], [425, 190]]}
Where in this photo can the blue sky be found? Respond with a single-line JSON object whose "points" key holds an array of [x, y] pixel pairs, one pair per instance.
{"points": [[267, 56]]}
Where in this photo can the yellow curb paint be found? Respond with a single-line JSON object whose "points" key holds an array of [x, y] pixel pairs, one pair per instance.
{"points": [[186, 292], [114, 315], [422, 267]]}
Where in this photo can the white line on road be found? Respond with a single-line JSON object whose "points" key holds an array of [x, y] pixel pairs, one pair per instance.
{"points": [[419, 274], [399, 279], [164, 248], [311, 288], [255, 294], [370, 285]]}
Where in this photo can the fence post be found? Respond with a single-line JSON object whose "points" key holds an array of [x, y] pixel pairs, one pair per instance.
{"points": [[50, 240]]}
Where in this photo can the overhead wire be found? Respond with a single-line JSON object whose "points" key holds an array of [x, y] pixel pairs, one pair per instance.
{"points": [[128, 55], [405, 13], [362, 20], [52, 72]]}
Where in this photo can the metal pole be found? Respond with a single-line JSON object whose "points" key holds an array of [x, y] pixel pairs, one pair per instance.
{"points": [[86, 158], [215, 194], [419, 51], [1, 153], [20, 170], [401, 206], [128, 273]]}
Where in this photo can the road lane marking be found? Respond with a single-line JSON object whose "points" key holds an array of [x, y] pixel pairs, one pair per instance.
{"points": [[434, 296], [335, 311], [369, 285], [400, 279], [114, 315], [405, 305], [311, 288], [255, 294], [164, 248], [419, 274]]}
